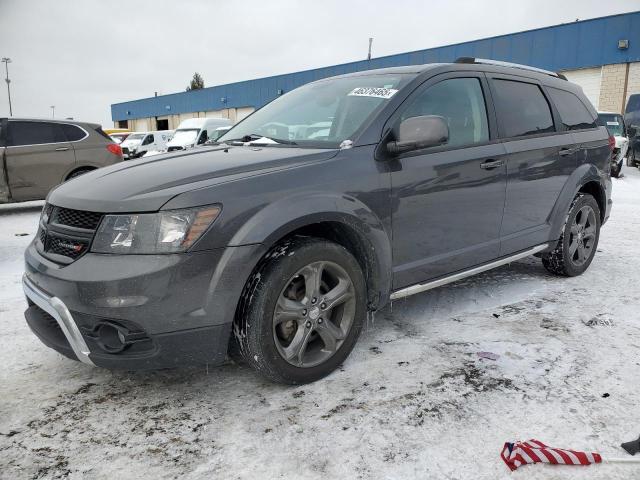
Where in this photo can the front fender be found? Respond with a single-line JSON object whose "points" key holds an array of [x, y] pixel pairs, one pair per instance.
{"points": [[280, 218]]}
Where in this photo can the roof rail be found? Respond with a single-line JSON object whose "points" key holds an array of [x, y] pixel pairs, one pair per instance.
{"points": [[484, 61]]}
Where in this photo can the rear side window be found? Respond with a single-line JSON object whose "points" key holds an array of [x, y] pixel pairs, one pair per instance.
{"points": [[73, 133], [574, 114], [522, 109], [461, 102], [34, 133]]}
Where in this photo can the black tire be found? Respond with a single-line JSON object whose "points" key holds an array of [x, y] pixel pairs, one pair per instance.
{"points": [[79, 172], [256, 327], [615, 171], [570, 260], [631, 158]]}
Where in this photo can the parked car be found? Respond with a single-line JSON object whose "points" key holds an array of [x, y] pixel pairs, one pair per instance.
{"points": [[36, 155], [428, 174], [139, 143], [195, 131], [614, 123], [119, 137], [111, 131], [632, 121]]}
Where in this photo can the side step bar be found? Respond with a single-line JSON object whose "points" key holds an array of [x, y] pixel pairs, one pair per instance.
{"points": [[423, 287]]}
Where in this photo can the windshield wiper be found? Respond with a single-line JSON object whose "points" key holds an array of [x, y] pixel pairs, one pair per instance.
{"points": [[257, 136]]}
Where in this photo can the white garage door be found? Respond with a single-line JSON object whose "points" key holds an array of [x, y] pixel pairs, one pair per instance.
{"points": [[589, 79]]}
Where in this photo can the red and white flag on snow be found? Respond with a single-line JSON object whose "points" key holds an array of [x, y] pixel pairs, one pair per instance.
{"points": [[532, 451]]}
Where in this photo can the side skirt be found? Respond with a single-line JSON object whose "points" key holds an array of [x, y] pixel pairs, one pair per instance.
{"points": [[423, 287]]}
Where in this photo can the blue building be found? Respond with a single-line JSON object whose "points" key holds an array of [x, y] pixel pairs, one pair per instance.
{"points": [[602, 55]]}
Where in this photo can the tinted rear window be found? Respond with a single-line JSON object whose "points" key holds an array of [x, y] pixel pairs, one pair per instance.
{"points": [[574, 114], [522, 109], [34, 133], [73, 133]]}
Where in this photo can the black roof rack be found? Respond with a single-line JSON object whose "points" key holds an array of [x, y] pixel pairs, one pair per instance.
{"points": [[499, 63]]}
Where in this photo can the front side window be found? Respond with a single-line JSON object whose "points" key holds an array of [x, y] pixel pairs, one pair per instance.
{"points": [[461, 103], [573, 112], [522, 108], [33, 133], [148, 140], [323, 113]]}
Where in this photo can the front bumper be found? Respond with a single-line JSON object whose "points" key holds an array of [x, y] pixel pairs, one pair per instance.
{"points": [[169, 310]]}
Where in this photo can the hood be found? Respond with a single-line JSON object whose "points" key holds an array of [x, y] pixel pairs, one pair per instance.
{"points": [[147, 184]]}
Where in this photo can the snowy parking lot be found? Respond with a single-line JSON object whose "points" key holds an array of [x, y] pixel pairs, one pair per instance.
{"points": [[414, 400]]}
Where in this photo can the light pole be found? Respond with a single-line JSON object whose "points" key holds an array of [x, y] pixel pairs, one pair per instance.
{"points": [[53, 111], [7, 61]]}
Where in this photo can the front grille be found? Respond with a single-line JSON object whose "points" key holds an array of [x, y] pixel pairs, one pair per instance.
{"points": [[72, 248], [125, 150], [76, 218], [68, 233]]}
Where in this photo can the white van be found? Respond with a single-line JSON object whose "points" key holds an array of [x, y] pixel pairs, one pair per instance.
{"points": [[139, 143], [195, 131]]}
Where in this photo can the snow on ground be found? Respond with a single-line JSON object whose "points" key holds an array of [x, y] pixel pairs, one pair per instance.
{"points": [[414, 400]]}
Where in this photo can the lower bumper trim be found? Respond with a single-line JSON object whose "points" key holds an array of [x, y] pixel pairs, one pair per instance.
{"points": [[59, 311]]}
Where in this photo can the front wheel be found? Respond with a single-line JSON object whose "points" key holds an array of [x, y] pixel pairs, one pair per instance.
{"points": [[302, 311], [579, 240]]}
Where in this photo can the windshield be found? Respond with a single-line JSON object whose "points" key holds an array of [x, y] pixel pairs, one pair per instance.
{"points": [[185, 136], [323, 113], [613, 123], [134, 138]]}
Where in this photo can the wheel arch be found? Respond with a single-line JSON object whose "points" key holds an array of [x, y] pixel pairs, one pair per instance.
{"points": [[83, 168], [585, 179]]}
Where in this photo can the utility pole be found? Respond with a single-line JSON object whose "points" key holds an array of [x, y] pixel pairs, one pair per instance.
{"points": [[7, 61], [53, 111], [370, 42]]}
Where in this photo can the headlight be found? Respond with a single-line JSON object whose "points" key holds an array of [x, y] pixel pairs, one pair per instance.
{"points": [[163, 232], [46, 212]]}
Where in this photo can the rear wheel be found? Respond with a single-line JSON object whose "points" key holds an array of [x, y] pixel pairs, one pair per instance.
{"points": [[579, 240], [302, 311]]}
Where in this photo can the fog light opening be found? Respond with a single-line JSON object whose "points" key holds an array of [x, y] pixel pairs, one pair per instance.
{"points": [[111, 338]]}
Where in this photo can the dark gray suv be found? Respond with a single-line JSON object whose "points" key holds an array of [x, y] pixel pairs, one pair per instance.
{"points": [[329, 202]]}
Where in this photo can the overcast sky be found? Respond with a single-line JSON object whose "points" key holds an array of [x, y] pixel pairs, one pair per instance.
{"points": [[82, 56]]}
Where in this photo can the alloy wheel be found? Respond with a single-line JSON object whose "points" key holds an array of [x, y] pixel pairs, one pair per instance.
{"points": [[313, 314], [582, 235]]}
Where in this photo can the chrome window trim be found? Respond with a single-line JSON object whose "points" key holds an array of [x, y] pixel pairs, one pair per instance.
{"points": [[86, 134]]}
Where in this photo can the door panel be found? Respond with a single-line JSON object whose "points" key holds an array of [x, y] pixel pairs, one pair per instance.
{"points": [[448, 201], [536, 174], [38, 158], [448, 212], [36, 169]]}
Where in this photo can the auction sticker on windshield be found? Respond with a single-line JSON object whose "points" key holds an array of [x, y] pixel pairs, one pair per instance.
{"points": [[373, 92]]}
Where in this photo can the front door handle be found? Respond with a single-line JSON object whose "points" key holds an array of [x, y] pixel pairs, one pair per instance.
{"points": [[491, 164], [567, 151], [62, 149]]}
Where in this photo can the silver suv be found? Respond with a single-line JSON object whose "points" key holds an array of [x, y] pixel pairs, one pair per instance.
{"points": [[37, 155]]}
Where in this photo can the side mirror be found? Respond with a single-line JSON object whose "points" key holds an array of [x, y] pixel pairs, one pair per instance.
{"points": [[420, 132]]}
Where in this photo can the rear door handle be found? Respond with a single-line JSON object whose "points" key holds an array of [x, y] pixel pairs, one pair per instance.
{"points": [[491, 164], [62, 149]]}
